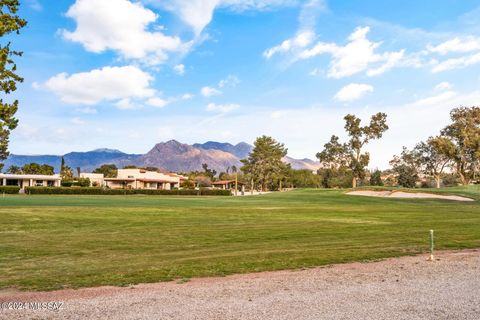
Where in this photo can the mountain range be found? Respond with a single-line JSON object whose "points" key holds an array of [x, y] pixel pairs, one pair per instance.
{"points": [[167, 156]]}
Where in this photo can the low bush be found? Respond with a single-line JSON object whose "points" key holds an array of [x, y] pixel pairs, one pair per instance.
{"points": [[101, 191], [9, 189]]}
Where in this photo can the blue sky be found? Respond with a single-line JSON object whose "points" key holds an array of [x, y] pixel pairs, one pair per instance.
{"points": [[128, 74]]}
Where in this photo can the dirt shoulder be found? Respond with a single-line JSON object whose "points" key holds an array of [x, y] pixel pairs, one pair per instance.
{"points": [[400, 288]]}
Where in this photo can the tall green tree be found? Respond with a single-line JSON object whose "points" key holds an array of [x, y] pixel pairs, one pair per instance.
{"points": [[10, 22], [431, 158], [264, 164], [209, 172], [65, 171], [14, 170], [359, 137], [349, 155], [376, 178], [35, 168], [406, 167], [460, 141], [108, 170]]}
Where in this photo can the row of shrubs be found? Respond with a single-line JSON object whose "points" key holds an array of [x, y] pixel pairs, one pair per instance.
{"points": [[101, 191], [9, 189]]}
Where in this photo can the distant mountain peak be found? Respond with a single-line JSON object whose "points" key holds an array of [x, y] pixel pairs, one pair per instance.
{"points": [[241, 150], [171, 155], [106, 150]]}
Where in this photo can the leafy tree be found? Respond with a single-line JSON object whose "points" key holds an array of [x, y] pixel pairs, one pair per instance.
{"points": [[108, 170], [335, 178], [209, 172], [35, 168], [65, 171], [14, 170], [460, 141], [349, 155], [431, 158], [406, 167], [334, 154], [154, 169], [202, 181], [264, 164], [376, 178], [47, 169], [359, 137], [187, 184], [10, 22], [82, 182], [130, 167], [303, 179]]}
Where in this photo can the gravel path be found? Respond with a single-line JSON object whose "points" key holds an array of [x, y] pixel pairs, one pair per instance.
{"points": [[402, 288]]}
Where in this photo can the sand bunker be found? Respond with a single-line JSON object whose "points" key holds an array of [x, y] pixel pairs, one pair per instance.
{"points": [[406, 195]]}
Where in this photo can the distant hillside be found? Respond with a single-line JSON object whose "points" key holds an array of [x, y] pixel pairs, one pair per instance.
{"points": [[87, 161], [241, 150], [178, 157], [167, 156]]}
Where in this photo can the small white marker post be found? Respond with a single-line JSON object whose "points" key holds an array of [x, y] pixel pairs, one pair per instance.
{"points": [[431, 247]]}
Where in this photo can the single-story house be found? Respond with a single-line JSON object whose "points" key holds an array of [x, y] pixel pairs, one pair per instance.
{"points": [[96, 179], [227, 185], [139, 179], [30, 180]]}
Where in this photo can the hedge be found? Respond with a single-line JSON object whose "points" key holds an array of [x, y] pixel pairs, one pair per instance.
{"points": [[101, 191], [9, 189]]}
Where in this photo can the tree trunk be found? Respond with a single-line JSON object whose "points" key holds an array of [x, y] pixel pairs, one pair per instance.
{"points": [[236, 182], [462, 177], [437, 181], [354, 182]]}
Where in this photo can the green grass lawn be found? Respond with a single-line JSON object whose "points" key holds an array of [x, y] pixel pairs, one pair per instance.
{"points": [[52, 242]]}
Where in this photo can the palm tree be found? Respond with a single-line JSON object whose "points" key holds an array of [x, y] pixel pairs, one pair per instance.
{"points": [[14, 170]]}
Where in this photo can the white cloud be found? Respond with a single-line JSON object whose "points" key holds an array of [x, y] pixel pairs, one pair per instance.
{"points": [[121, 26], [456, 63], [157, 102], [466, 44], [187, 96], [87, 110], [179, 69], [199, 13], [279, 114], [316, 72], [456, 53], [356, 56], [392, 59], [209, 92], [106, 84], [352, 92], [443, 86], [435, 99], [78, 121], [301, 40], [222, 108], [230, 81], [126, 104]]}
